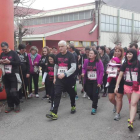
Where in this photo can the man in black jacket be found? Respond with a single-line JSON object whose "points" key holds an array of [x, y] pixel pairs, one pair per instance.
{"points": [[11, 62], [24, 70]]}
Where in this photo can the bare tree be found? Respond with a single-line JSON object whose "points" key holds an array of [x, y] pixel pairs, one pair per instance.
{"points": [[22, 12], [117, 39], [136, 37]]}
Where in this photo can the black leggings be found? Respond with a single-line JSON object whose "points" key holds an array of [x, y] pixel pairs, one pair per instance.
{"points": [[104, 82], [59, 88], [10, 82], [93, 91], [35, 80]]}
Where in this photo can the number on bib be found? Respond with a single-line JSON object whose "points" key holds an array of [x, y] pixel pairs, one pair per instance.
{"points": [[8, 68], [62, 70], [134, 76], [112, 71], [92, 75]]}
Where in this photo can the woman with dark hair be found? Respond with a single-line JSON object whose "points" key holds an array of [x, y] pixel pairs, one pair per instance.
{"points": [[43, 63], [116, 98], [105, 60], [48, 77], [92, 72], [130, 69]]}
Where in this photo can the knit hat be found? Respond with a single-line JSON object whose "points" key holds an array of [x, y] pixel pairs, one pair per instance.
{"points": [[116, 59]]}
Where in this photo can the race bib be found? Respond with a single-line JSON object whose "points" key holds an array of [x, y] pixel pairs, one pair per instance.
{"points": [[134, 76], [112, 71], [8, 68], [92, 75], [62, 70]]}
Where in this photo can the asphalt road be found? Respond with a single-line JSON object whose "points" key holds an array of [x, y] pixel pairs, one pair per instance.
{"points": [[31, 123]]}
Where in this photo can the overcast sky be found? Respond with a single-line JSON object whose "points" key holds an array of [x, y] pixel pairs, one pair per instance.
{"points": [[54, 4]]}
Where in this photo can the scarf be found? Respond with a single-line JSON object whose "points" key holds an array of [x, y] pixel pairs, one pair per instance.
{"points": [[33, 57]]}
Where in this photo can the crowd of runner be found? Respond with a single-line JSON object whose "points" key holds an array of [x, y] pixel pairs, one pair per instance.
{"points": [[116, 72]]}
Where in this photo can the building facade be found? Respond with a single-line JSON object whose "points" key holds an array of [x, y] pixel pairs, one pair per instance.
{"points": [[85, 25]]}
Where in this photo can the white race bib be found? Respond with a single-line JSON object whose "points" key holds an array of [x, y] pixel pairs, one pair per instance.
{"points": [[62, 70], [134, 76], [112, 71], [8, 68], [92, 75]]}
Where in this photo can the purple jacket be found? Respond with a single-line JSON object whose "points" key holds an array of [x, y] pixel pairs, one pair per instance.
{"points": [[100, 70], [37, 59]]}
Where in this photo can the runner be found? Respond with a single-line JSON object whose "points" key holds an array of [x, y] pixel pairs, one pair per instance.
{"points": [[43, 63], [135, 47], [48, 78], [105, 60], [84, 56], [71, 48], [64, 69], [131, 69], [116, 98], [24, 70], [34, 59], [92, 72], [11, 63]]}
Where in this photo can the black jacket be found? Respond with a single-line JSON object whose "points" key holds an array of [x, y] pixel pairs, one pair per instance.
{"points": [[25, 66], [42, 62]]}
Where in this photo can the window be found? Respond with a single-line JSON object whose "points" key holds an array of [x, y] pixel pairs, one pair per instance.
{"points": [[125, 25], [108, 23], [87, 14], [66, 17], [81, 15], [56, 19], [61, 18], [76, 44], [76, 16], [71, 17], [136, 26], [86, 44]]}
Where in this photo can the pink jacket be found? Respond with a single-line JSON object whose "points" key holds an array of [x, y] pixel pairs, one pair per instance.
{"points": [[100, 70]]}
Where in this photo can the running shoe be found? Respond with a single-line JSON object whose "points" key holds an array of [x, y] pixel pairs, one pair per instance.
{"points": [[130, 126], [44, 97], [85, 95], [73, 110], [17, 109], [88, 98], [107, 84], [37, 96], [52, 116], [30, 95], [76, 97], [104, 95], [93, 112], [114, 109], [117, 117], [9, 109], [49, 101]]}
